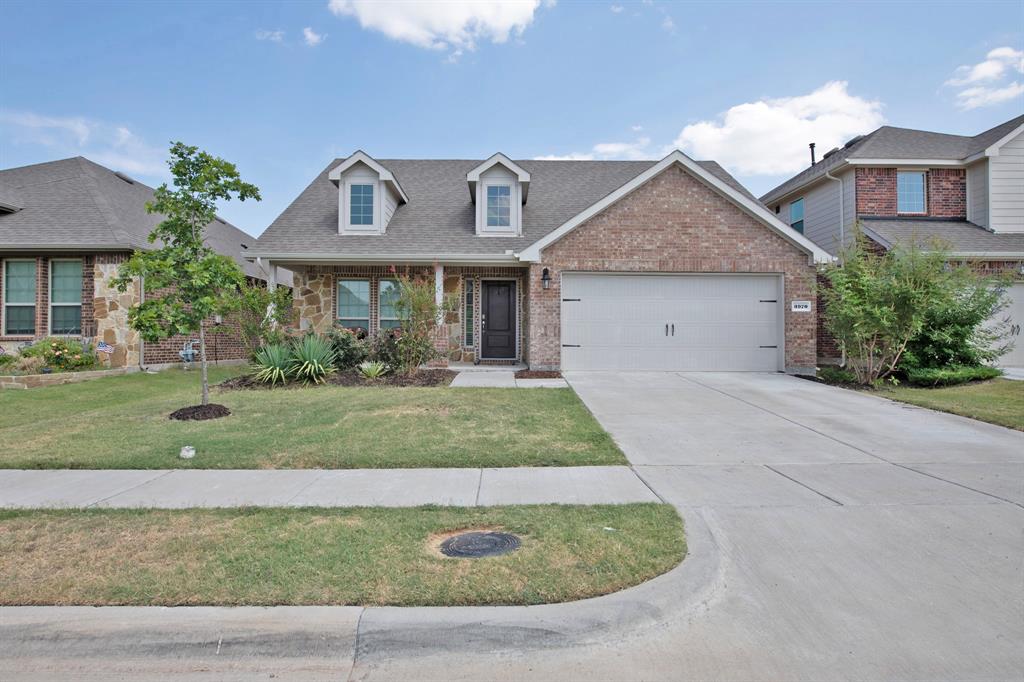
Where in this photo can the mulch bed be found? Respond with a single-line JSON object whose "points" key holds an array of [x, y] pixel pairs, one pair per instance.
{"points": [[537, 374], [200, 412], [424, 377]]}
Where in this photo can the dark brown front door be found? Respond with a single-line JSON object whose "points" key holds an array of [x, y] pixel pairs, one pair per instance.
{"points": [[499, 320]]}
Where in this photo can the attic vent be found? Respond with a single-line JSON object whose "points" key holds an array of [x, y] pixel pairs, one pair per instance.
{"points": [[220, 220], [124, 177], [830, 152], [853, 141]]}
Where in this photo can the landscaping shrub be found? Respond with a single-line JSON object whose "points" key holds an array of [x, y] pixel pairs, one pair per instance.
{"points": [[349, 348], [62, 355], [876, 304], [29, 364], [419, 311], [272, 363], [950, 376], [260, 313], [836, 375], [384, 347], [312, 359], [373, 370], [7, 360]]}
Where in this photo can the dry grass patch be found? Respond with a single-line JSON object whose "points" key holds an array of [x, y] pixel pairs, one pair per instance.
{"points": [[370, 556]]}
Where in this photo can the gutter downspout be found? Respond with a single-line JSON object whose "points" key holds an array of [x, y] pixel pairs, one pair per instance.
{"points": [[842, 239]]}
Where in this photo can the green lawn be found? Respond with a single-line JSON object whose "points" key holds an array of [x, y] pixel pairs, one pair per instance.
{"points": [[121, 423], [999, 401], [371, 556]]}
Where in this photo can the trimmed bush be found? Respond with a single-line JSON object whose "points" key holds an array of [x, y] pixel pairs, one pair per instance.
{"points": [[951, 376], [349, 349]]}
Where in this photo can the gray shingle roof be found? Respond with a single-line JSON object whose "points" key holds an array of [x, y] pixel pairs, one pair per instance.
{"points": [[895, 144], [439, 218], [959, 236], [79, 205]]}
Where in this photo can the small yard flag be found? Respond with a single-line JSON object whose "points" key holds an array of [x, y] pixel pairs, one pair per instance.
{"points": [[104, 347]]}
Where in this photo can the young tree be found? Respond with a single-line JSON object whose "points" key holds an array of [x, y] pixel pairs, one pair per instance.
{"points": [[191, 278], [260, 313], [877, 304]]}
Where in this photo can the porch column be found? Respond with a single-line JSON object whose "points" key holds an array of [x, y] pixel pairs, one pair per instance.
{"points": [[271, 287], [441, 329]]}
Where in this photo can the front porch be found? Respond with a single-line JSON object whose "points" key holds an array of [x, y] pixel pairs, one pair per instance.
{"points": [[486, 328]]}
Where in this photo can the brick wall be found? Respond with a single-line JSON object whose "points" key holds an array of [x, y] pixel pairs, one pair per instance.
{"points": [[946, 189], [674, 223], [876, 191], [947, 192], [828, 348]]}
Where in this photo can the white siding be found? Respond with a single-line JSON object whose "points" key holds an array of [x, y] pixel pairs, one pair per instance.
{"points": [[1006, 187], [499, 175], [390, 203], [849, 202], [977, 193], [821, 211], [360, 173]]}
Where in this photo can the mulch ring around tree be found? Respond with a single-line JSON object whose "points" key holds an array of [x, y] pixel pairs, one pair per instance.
{"points": [[200, 412], [350, 377], [538, 374]]}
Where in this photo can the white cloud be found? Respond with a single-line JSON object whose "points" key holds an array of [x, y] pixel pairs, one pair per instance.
{"points": [[617, 9], [770, 136], [636, 128], [311, 37], [111, 145], [972, 98], [456, 25], [668, 25], [638, 149], [986, 83], [272, 36]]}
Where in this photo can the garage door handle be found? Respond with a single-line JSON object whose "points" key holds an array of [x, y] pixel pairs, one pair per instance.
{"points": [[767, 346], [666, 330], [673, 329]]}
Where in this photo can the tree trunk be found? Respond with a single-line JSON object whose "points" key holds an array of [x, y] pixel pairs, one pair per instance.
{"points": [[202, 365]]}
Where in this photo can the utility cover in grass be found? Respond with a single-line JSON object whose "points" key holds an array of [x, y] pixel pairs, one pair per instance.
{"points": [[479, 544]]}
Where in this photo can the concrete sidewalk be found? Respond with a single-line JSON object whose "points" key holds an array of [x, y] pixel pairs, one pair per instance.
{"points": [[180, 488]]}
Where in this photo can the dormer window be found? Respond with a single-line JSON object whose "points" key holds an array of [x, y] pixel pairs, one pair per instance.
{"points": [[499, 188], [361, 204], [499, 205], [368, 195]]}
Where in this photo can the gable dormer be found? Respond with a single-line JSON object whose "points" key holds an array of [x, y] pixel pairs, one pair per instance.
{"points": [[498, 188], [368, 195]]}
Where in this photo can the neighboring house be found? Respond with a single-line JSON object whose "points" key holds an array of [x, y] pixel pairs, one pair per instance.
{"points": [[634, 265], [65, 227], [902, 186]]}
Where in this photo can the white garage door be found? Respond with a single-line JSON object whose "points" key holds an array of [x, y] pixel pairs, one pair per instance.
{"points": [[1015, 313], [671, 322]]}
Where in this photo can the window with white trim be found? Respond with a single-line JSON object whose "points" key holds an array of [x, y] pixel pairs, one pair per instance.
{"points": [[387, 304], [354, 304], [19, 310], [910, 192], [499, 205], [796, 215], [65, 297]]}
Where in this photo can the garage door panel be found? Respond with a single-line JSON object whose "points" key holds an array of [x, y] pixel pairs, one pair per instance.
{"points": [[715, 322]]}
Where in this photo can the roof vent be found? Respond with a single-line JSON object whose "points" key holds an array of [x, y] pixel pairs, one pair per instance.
{"points": [[219, 220], [830, 152], [852, 141], [244, 246], [124, 177]]}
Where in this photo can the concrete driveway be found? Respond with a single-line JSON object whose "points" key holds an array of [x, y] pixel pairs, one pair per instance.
{"points": [[852, 538]]}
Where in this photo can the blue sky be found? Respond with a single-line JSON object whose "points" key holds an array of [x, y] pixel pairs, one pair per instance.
{"points": [[282, 88]]}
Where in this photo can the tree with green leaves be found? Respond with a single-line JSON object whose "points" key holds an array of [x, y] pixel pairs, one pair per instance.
{"points": [[882, 306], [192, 279]]}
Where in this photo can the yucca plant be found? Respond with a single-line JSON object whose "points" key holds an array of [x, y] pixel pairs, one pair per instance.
{"points": [[271, 364], [312, 359], [372, 369]]}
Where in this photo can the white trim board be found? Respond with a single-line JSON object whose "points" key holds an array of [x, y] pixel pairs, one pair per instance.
{"points": [[532, 253]]}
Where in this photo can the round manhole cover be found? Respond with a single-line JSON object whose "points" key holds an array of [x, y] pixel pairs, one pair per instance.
{"points": [[479, 544]]}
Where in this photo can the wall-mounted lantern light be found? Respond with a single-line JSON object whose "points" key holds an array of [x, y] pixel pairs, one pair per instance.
{"points": [[545, 279]]}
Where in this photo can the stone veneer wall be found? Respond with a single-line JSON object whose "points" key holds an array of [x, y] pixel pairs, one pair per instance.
{"points": [[672, 224], [110, 310], [315, 300]]}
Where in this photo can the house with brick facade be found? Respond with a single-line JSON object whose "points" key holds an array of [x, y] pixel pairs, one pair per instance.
{"points": [[624, 265], [65, 227], [901, 186]]}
